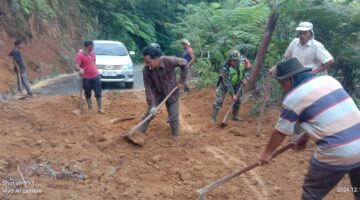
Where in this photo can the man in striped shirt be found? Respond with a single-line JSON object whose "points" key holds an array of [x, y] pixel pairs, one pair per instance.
{"points": [[329, 116]]}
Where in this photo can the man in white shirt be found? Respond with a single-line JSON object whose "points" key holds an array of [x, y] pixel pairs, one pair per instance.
{"points": [[310, 52]]}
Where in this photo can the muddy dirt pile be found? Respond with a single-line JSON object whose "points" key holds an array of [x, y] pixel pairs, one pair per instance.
{"points": [[44, 144]]}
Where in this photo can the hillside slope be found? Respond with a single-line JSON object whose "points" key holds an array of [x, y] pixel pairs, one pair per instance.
{"points": [[52, 31]]}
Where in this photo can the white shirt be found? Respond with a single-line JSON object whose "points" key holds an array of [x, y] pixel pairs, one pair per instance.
{"points": [[311, 55]]}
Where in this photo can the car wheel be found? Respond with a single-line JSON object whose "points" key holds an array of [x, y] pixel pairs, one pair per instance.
{"points": [[129, 85]]}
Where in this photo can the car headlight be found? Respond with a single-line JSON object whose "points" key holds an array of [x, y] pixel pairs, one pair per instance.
{"points": [[128, 66]]}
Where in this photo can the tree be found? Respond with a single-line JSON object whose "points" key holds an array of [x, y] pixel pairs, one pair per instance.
{"points": [[218, 31], [260, 56], [136, 23]]}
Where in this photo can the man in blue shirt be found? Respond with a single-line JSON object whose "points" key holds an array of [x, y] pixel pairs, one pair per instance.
{"points": [[19, 68], [189, 56]]}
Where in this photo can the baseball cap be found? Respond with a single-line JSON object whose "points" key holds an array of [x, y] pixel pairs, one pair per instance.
{"points": [[185, 41], [304, 26]]}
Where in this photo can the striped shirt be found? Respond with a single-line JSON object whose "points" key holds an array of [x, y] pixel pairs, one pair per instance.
{"points": [[329, 115]]}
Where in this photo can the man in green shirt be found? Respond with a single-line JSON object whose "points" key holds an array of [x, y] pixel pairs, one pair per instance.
{"points": [[234, 73]]}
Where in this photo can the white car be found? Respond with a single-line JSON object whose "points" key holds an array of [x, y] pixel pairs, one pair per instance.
{"points": [[114, 62]]}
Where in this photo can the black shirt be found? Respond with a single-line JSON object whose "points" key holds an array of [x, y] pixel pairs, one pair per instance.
{"points": [[16, 55]]}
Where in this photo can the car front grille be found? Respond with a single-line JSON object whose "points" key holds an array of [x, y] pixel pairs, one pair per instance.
{"points": [[113, 77], [110, 67]]}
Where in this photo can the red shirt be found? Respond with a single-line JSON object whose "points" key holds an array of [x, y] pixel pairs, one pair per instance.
{"points": [[87, 61]]}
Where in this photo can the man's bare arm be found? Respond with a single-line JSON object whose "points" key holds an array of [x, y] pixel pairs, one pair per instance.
{"points": [[192, 58], [323, 67], [275, 141]]}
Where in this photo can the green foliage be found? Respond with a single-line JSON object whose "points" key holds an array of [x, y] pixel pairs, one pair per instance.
{"points": [[336, 25], [216, 27], [42, 7], [215, 30], [135, 23], [204, 73], [357, 102], [236, 27], [26, 7]]}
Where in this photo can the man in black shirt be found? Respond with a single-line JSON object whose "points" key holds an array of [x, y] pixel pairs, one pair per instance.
{"points": [[19, 68]]}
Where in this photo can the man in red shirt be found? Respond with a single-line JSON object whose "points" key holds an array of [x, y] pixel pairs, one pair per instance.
{"points": [[86, 66]]}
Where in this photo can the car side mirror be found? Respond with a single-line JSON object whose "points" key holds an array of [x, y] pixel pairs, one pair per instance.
{"points": [[131, 53]]}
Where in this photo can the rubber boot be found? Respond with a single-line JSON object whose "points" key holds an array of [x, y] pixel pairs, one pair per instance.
{"points": [[89, 103], [175, 129], [214, 114], [235, 113], [99, 105], [186, 88]]}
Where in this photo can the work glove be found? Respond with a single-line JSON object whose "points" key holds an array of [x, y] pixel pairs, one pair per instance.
{"points": [[153, 111]]}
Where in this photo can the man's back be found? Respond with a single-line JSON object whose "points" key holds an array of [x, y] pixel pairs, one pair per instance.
{"points": [[330, 116]]}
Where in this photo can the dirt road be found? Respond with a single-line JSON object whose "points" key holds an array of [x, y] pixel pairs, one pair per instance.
{"points": [[43, 134]]}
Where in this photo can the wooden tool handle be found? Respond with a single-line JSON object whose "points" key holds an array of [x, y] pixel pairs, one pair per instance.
{"points": [[132, 131], [81, 94], [219, 182], [267, 87], [231, 106]]}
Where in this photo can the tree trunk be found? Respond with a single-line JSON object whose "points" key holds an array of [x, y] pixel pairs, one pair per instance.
{"points": [[260, 56]]}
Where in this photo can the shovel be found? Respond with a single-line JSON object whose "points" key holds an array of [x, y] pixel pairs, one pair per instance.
{"points": [[20, 83], [129, 135], [201, 192], [81, 94], [223, 123]]}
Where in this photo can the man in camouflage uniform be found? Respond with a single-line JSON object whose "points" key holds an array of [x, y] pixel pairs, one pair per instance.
{"points": [[234, 73]]}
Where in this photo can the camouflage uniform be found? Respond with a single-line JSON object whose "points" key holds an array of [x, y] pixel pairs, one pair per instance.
{"points": [[230, 80]]}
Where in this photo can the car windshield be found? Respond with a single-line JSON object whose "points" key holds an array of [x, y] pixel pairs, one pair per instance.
{"points": [[110, 49]]}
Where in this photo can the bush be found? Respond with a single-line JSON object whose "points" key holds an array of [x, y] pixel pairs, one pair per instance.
{"points": [[357, 101], [204, 74], [42, 7], [26, 7]]}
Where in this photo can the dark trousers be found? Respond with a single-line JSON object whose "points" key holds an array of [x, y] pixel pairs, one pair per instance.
{"points": [[221, 94], [23, 82], [92, 84], [319, 181], [173, 117], [188, 79]]}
